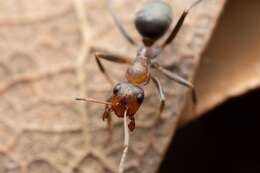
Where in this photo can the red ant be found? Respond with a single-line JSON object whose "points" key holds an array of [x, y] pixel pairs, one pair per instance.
{"points": [[151, 21]]}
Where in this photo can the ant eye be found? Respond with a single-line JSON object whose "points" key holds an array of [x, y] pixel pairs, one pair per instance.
{"points": [[140, 98], [116, 89]]}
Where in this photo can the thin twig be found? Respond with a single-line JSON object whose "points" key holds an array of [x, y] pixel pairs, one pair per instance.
{"points": [[126, 144]]}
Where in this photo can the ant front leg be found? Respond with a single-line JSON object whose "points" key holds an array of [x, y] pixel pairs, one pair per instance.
{"points": [[179, 79], [161, 94], [131, 124], [113, 58], [107, 116], [119, 25], [179, 24]]}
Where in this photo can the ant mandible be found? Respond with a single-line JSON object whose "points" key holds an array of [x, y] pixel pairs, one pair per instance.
{"points": [[151, 21]]}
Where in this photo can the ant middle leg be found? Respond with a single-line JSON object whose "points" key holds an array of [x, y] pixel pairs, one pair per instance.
{"points": [[119, 25], [161, 94], [179, 79], [113, 58], [179, 24]]}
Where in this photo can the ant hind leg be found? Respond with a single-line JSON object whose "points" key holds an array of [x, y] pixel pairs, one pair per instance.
{"points": [[179, 24]]}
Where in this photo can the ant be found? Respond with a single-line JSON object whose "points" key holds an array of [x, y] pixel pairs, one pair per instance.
{"points": [[152, 21]]}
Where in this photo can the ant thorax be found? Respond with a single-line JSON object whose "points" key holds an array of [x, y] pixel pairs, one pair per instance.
{"points": [[138, 72], [149, 52]]}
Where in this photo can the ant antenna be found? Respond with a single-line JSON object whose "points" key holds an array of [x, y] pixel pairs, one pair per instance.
{"points": [[93, 101], [126, 143]]}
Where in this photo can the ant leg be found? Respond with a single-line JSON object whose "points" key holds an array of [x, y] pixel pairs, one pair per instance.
{"points": [[161, 94], [126, 143], [131, 124], [107, 116], [112, 58], [119, 25], [179, 24], [177, 78]]}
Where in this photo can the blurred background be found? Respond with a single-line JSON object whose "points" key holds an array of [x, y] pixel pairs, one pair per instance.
{"points": [[225, 139]]}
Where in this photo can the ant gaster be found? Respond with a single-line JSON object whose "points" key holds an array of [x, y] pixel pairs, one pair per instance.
{"points": [[151, 21]]}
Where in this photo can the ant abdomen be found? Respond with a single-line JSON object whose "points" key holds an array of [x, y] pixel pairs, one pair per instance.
{"points": [[153, 19]]}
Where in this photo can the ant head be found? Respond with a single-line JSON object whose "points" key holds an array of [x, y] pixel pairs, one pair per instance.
{"points": [[153, 20], [126, 96]]}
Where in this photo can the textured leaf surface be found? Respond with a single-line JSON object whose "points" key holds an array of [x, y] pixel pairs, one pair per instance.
{"points": [[46, 62]]}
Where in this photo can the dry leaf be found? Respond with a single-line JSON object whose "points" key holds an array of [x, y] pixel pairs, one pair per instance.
{"points": [[230, 65], [43, 68]]}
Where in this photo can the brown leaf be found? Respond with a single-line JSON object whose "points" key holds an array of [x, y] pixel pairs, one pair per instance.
{"points": [[46, 63], [231, 65]]}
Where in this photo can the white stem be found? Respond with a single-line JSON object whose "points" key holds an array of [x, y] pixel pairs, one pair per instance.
{"points": [[126, 143]]}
